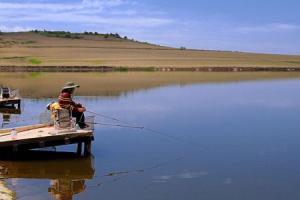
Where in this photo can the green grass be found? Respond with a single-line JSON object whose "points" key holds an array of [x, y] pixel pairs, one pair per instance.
{"points": [[34, 61], [13, 57], [123, 69], [35, 74]]}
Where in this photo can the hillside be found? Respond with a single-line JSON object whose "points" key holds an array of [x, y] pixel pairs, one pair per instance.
{"points": [[36, 49]]}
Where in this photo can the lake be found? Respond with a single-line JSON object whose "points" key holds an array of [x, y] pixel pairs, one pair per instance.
{"points": [[205, 140]]}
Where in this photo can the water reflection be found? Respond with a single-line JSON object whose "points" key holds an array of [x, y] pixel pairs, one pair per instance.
{"points": [[7, 112], [66, 172]]}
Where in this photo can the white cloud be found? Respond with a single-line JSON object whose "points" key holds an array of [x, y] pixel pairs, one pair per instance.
{"points": [[85, 4], [14, 28], [268, 28], [104, 12]]}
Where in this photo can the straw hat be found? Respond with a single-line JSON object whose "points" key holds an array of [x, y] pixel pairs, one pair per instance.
{"points": [[70, 85]]}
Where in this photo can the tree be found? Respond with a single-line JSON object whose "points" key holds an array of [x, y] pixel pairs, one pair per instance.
{"points": [[117, 35]]}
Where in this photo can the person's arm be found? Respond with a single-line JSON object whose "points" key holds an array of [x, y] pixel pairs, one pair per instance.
{"points": [[78, 107]]}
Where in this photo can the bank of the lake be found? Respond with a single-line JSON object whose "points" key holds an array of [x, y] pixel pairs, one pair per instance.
{"points": [[39, 84]]}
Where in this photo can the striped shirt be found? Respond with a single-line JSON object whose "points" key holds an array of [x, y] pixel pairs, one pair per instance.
{"points": [[65, 101]]}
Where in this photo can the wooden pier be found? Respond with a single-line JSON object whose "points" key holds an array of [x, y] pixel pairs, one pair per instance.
{"points": [[42, 135], [12, 101]]}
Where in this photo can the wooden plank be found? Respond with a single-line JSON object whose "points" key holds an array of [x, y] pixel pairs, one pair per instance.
{"points": [[23, 128], [9, 101]]}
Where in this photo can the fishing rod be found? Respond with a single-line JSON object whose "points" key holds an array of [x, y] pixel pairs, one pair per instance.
{"points": [[118, 125], [142, 128]]}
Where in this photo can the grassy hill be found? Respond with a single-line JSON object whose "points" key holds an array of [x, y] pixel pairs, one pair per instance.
{"points": [[90, 49]]}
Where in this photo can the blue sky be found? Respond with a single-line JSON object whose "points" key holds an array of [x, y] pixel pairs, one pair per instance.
{"points": [[238, 25]]}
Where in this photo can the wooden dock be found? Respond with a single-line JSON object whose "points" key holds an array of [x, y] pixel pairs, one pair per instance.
{"points": [[12, 101], [42, 135]]}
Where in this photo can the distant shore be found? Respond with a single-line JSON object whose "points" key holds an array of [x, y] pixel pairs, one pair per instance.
{"points": [[48, 84], [143, 69]]}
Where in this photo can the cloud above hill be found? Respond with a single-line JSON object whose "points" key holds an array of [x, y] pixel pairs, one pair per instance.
{"points": [[86, 12]]}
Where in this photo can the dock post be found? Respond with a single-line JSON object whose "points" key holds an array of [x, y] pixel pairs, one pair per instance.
{"points": [[79, 148], [87, 148]]}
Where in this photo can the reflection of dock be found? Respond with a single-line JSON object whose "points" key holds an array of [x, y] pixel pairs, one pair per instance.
{"points": [[67, 172], [7, 111], [10, 110], [46, 165]]}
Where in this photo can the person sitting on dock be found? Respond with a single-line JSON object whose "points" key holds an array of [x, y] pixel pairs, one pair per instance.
{"points": [[65, 101]]}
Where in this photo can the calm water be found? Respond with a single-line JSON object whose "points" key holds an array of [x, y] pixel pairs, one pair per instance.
{"points": [[229, 141]]}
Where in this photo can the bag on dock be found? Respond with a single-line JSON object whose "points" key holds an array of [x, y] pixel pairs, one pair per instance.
{"points": [[61, 117]]}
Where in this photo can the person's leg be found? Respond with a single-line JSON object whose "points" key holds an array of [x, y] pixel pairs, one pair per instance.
{"points": [[80, 119]]}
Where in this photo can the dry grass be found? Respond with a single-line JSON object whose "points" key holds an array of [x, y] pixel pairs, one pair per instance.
{"points": [[16, 48], [115, 83]]}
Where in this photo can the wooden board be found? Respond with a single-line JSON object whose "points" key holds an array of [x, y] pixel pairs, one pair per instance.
{"points": [[10, 101], [23, 128]]}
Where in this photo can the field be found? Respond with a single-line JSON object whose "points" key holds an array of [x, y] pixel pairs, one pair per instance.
{"points": [[36, 49], [118, 83]]}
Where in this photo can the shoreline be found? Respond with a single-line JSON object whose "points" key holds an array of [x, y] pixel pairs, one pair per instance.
{"points": [[143, 69]]}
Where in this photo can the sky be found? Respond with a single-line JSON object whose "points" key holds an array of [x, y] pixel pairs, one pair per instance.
{"points": [[271, 26]]}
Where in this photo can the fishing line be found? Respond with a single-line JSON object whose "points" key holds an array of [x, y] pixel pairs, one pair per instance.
{"points": [[142, 128], [124, 173], [108, 117]]}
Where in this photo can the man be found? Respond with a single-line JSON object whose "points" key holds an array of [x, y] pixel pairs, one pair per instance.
{"points": [[65, 101]]}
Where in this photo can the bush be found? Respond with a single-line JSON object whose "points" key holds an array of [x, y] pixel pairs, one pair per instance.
{"points": [[67, 36], [34, 61]]}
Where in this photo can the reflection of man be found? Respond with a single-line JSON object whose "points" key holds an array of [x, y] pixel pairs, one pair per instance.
{"points": [[62, 189], [65, 101]]}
